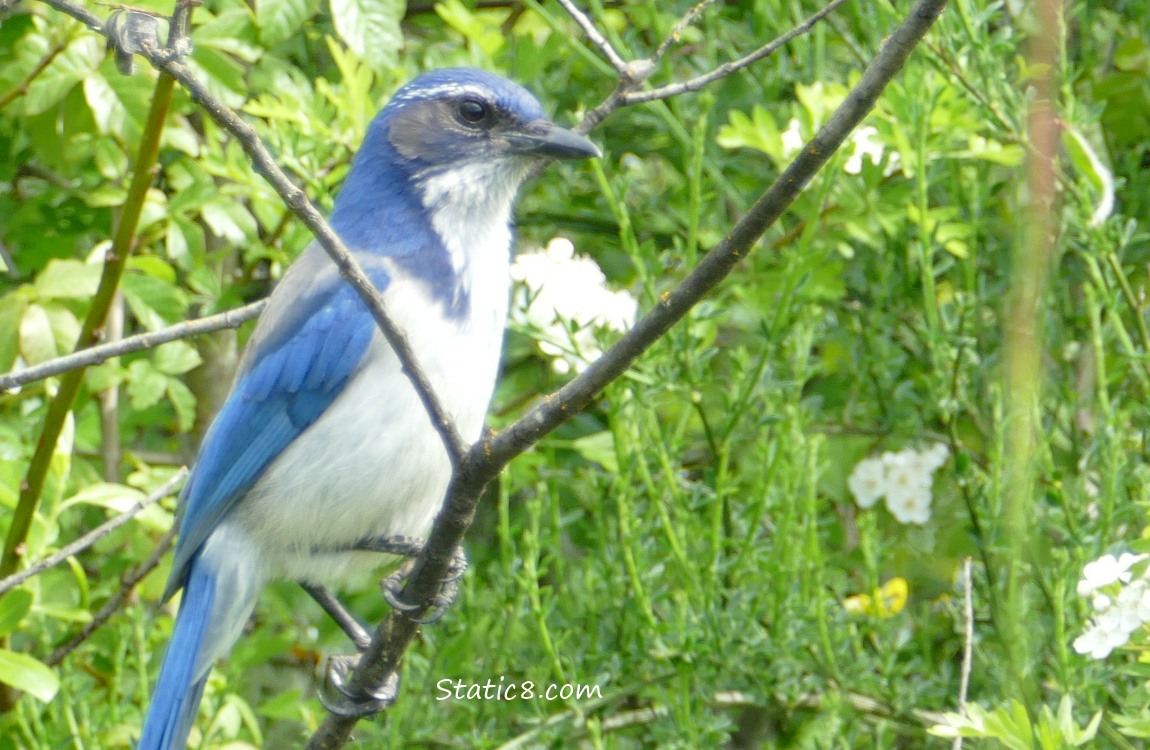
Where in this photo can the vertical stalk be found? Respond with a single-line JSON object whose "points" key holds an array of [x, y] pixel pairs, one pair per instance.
{"points": [[1033, 257]]}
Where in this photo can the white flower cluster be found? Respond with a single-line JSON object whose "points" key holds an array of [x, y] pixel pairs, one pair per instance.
{"points": [[903, 478], [564, 297], [1121, 603]]}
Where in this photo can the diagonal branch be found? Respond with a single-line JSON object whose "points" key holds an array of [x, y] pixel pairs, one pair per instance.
{"points": [[93, 536], [382, 659], [677, 30], [726, 69], [595, 36]]}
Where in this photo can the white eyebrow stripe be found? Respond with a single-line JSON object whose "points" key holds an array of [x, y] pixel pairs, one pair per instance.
{"points": [[443, 89]]}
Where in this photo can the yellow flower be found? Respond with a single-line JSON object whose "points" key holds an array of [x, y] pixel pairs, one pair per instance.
{"points": [[887, 601]]}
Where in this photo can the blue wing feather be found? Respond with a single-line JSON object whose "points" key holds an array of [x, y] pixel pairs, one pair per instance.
{"points": [[289, 382]]}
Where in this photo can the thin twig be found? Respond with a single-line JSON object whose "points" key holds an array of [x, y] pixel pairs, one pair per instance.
{"points": [[94, 535], [595, 37], [94, 355], [21, 88], [113, 605], [393, 636], [677, 30], [726, 69]]}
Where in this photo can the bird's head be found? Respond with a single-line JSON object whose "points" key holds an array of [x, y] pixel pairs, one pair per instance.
{"points": [[457, 116], [458, 137]]}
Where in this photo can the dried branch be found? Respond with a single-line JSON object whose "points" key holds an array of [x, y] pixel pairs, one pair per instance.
{"points": [[726, 69], [94, 355], [382, 659], [94, 535]]}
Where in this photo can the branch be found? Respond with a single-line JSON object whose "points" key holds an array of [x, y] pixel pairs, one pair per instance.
{"points": [[487, 459], [677, 30], [94, 355], [595, 36], [113, 605], [94, 535], [726, 69]]}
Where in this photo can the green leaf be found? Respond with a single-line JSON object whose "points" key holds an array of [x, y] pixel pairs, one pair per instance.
{"points": [[279, 20], [68, 279], [146, 384], [1090, 165], [106, 108], [229, 220], [176, 358], [12, 309], [154, 302], [115, 497], [37, 341], [28, 675], [13, 607], [370, 28], [70, 67], [600, 448], [184, 402]]}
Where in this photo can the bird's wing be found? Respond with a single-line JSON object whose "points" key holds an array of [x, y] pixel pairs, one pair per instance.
{"points": [[311, 340]]}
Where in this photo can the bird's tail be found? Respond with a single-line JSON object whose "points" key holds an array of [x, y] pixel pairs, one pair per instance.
{"points": [[219, 594]]}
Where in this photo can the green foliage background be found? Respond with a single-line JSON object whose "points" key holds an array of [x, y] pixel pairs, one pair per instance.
{"points": [[688, 544]]}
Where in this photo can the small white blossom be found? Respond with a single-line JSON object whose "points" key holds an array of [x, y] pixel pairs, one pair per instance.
{"points": [[866, 144], [935, 456], [868, 482], [792, 139], [905, 471], [909, 503], [1133, 605], [1107, 570], [564, 297], [1103, 636]]}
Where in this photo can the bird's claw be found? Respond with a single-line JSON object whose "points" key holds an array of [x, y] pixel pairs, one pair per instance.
{"points": [[438, 605], [339, 700], [131, 32]]}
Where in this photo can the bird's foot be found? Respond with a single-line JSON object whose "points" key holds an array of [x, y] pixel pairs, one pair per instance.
{"points": [[438, 605], [402, 546], [337, 698]]}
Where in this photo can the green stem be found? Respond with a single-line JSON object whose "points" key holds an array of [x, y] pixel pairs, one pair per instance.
{"points": [[33, 485]]}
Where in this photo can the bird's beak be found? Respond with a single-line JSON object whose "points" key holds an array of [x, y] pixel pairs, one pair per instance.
{"points": [[545, 138]]}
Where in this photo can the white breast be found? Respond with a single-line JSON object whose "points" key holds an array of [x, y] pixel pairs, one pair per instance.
{"points": [[373, 465]]}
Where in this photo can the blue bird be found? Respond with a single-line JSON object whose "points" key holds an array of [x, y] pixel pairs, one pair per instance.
{"points": [[323, 442]]}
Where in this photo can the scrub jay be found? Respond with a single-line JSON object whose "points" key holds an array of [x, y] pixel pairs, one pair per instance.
{"points": [[324, 443]]}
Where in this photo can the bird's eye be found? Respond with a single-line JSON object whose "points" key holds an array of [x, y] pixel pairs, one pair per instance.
{"points": [[473, 111]]}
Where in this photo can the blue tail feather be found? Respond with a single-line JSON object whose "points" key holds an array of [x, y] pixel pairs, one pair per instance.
{"points": [[176, 697]]}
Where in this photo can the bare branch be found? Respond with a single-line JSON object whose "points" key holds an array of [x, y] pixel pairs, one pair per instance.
{"points": [[677, 30], [94, 355], [486, 460], [94, 535], [595, 36], [697, 83]]}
